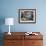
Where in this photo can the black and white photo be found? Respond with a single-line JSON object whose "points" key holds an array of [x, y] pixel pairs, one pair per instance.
{"points": [[27, 15]]}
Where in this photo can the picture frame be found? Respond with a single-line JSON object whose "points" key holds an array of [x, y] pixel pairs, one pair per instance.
{"points": [[27, 16]]}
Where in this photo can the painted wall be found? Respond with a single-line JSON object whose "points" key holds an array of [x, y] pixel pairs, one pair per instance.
{"points": [[9, 8]]}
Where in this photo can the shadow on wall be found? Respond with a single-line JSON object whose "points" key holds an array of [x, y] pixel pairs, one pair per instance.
{"points": [[2, 21]]}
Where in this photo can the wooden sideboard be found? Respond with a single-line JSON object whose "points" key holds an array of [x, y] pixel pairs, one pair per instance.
{"points": [[20, 39]]}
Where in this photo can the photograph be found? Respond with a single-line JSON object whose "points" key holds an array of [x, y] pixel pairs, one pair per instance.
{"points": [[27, 15]]}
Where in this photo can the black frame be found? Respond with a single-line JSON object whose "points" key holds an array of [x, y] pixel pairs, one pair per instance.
{"points": [[31, 12]]}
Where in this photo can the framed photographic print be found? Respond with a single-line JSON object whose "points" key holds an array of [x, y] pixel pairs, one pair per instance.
{"points": [[27, 15]]}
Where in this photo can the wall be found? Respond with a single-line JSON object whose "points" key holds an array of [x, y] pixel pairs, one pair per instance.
{"points": [[9, 8]]}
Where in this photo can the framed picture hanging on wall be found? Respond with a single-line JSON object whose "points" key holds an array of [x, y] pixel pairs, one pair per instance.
{"points": [[27, 15]]}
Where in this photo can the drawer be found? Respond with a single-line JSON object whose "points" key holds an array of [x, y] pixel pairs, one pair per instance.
{"points": [[16, 37], [37, 43], [19, 42], [33, 37], [19, 37], [9, 43], [33, 43], [13, 43]]}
